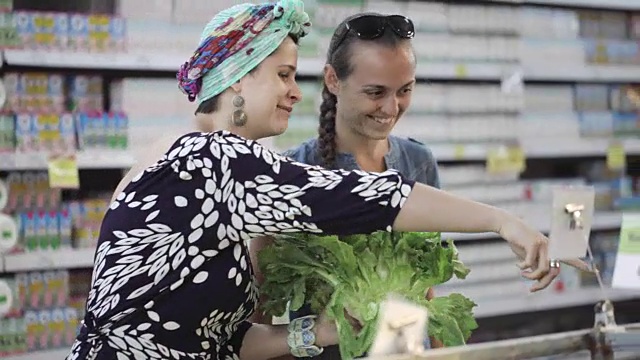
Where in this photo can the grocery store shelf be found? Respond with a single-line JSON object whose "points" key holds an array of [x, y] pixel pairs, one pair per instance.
{"points": [[106, 159], [171, 62], [479, 71], [59, 354], [600, 4], [584, 72], [604, 220], [465, 71], [105, 61], [536, 148], [547, 301], [83, 258], [45, 260]]}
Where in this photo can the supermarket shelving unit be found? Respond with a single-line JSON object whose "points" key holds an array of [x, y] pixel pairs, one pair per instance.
{"points": [[483, 249]]}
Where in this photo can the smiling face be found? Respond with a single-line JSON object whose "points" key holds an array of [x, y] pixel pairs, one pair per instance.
{"points": [[373, 97], [271, 91]]}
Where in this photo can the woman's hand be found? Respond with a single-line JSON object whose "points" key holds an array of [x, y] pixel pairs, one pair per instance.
{"points": [[326, 331], [532, 247]]}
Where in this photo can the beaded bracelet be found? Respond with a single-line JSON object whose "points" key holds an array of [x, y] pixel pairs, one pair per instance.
{"points": [[302, 339]]}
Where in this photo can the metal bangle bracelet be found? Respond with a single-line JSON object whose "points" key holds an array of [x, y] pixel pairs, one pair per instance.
{"points": [[554, 263]]}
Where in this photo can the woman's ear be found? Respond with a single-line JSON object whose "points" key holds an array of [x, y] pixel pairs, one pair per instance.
{"points": [[237, 87], [331, 80]]}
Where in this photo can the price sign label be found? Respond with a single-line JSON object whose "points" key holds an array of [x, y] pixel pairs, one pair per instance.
{"points": [[626, 273], [506, 159], [461, 71], [616, 157], [458, 152], [63, 172]]}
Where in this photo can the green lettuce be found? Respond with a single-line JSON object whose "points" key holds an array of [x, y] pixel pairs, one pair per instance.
{"points": [[357, 273]]}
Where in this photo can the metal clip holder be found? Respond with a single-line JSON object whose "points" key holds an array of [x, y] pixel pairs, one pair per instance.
{"points": [[609, 338], [575, 213]]}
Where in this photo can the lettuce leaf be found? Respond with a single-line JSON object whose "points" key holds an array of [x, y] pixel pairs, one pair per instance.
{"points": [[356, 274]]}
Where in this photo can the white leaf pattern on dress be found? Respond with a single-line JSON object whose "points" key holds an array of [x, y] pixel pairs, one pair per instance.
{"points": [[175, 239]]}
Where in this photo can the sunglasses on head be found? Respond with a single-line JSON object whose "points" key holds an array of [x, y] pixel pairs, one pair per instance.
{"points": [[369, 27]]}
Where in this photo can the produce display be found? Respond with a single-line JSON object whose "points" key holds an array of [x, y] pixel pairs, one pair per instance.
{"points": [[353, 276]]}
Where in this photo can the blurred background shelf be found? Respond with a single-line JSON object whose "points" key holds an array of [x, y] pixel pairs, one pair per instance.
{"points": [[554, 79]]}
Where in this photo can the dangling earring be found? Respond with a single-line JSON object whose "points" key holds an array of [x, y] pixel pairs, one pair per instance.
{"points": [[238, 117]]}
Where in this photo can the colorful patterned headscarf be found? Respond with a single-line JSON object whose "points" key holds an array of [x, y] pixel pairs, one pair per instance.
{"points": [[236, 41]]}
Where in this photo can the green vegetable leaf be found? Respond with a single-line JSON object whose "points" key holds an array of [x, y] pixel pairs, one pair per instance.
{"points": [[356, 273]]}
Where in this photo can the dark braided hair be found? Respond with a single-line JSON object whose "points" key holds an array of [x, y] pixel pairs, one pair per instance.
{"points": [[339, 57]]}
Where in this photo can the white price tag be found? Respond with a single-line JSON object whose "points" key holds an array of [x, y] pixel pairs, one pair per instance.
{"points": [[572, 218], [626, 273]]}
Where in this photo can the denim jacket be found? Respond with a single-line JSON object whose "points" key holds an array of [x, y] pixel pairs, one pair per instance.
{"points": [[411, 158]]}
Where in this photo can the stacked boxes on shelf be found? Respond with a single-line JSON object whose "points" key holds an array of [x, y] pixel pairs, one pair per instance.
{"points": [[70, 32], [464, 33], [568, 36], [45, 313], [462, 114], [45, 221], [53, 113]]}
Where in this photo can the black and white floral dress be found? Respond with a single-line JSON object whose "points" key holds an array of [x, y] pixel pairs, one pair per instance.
{"points": [[172, 277]]}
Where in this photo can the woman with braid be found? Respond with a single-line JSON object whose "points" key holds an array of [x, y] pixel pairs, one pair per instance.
{"points": [[368, 81], [172, 276]]}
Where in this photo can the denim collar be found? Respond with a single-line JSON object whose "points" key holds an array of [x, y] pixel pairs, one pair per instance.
{"points": [[390, 158]]}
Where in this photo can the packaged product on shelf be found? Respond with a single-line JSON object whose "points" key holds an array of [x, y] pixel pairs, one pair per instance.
{"points": [[34, 329], [117, 34], [99, 32], [67, 141], [86, 93], [22, 288], [613, 25], [78, 32], [596, 124], [121, 137], [91, 130], [626, 124], [65, 228], [625, 98], [12, 332], [13, 183], [42, 230], [25, 29], [9, 233], [44, 335], [25, 134], [40, 190], [55, 133], [7, 133], [11, 83], [56, 328], [56, 288], [15, 308], [72, 321], [36, 290], [28, 230], [48, 30]]}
